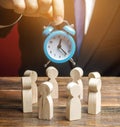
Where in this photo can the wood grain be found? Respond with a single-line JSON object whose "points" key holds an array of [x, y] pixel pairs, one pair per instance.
{"points": [[11, 105]]}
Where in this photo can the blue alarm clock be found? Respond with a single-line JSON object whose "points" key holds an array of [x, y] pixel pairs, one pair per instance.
{"points": [[59, 45]]}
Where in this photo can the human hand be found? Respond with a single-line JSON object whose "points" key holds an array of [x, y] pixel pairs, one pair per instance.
{"points": [[52, 9]]}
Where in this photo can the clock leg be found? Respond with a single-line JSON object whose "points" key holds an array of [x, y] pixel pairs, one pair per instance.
{"points": [[72, 61], [47, 64]]}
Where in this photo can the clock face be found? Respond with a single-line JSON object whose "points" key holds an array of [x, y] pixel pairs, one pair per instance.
{"points": [[59, 47]]}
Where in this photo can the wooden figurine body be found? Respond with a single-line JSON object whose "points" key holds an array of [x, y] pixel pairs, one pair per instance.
{"points": [[52, 74], [76, 74], [33, 76], [26, 94], [45, 101], [73, 108], [94, 96]]}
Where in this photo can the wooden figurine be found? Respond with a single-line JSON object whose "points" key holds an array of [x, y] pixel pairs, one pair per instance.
{"points": [[45, 101], [76, 74], [33, 76], [26, 94], [73, 108], [94, 96], [94, 75], [52, 74]]}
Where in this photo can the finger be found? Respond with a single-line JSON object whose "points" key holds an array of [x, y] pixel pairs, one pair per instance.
{"points": [[45, 2], [45, 8], [19, 6], [58, 11], [8, 4], [31, 6]]}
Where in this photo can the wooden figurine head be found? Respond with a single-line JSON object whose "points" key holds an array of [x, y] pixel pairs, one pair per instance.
{"points": [[76, 73], [94, 75], [32, 74], [94, 85], [73, 89], [52, 72], [45, 88]]}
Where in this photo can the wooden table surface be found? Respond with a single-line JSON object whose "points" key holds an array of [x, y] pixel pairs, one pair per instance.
{"points": [[11, 105]]}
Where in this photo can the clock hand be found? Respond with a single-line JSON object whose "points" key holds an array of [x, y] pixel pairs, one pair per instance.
{"points": [[60, 47], [63, 51]]}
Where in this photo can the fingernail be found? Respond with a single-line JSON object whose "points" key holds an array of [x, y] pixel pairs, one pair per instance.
{"points": [[58, 20]]}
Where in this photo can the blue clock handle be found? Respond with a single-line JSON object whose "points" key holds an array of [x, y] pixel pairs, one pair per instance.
{"points": [[47, 30], [69, 29]]}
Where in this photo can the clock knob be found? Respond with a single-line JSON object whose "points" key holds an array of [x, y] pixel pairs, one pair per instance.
{"points": [[47, 30], [69, 29]]}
